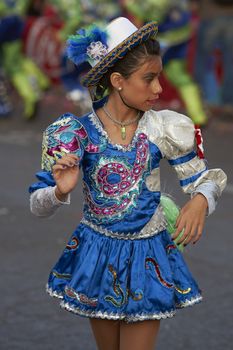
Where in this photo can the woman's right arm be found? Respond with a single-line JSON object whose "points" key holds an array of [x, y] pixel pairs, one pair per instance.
{"points": [[45, 201]]}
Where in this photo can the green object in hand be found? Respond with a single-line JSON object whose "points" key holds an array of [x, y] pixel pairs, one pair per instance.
{"points": [[171, 212]]}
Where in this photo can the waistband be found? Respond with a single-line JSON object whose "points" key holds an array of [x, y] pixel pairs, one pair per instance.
{"points": [[156, 224]]}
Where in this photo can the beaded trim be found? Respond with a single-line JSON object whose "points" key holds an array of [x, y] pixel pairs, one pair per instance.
{"points": [[120, 316], [117, 316], [189, 302], [156, 224], [125, 148], [141, 35], [53, 293]]}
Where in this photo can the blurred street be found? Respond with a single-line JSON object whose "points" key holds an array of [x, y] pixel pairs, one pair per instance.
{"points": [[30, 246]]}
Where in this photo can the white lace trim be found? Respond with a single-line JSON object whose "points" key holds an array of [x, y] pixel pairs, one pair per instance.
{"points": [[43, 202], [125, 148], [156, 224], [189, 302]]}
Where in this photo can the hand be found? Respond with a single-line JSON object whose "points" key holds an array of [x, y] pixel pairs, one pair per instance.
{"points": [[191, 220], [65, 173]]}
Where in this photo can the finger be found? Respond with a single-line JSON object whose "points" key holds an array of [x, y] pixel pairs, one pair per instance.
{"points": [[57, 167], [199, 233], [178, 220], [185, 234], [67, 161], [179, 227], [71, 156], [191, 235], [178, 231]]}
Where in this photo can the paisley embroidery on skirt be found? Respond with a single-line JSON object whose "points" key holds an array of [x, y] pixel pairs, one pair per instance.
{"points": [[151, 261], [65, 276], [117, 290], [73, 244], [123, 297], [82, 298], [183, 291], [170, 248]]}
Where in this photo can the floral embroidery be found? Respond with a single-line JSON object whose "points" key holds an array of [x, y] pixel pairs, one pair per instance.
{"points": [[119, 182], [151, 261], [67, 135], [97, 50]]}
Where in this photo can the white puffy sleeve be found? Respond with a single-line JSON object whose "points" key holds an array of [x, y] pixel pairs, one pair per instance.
{"points": [[178, 147]]}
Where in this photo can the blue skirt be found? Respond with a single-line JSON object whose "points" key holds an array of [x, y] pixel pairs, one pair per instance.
{"points": [[122, 279]]}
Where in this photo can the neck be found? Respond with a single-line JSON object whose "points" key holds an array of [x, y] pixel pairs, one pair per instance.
{"points": [[119, 109]]}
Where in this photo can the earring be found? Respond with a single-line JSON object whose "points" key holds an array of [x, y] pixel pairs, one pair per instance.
{"points": [[120, 88]]}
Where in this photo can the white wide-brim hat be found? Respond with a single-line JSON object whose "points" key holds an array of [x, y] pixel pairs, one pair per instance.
{"points": [[121, 36]]}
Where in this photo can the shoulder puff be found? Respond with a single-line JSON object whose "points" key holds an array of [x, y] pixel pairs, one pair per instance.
{"points": [[174, 133], [62, 137]]}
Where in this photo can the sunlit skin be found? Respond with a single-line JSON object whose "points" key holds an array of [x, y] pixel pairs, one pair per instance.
{"points": [[140, 91]]}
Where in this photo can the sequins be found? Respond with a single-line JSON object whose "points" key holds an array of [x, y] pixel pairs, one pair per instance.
{"points": [[67, 135], [65, 276], [121, 296], [170, 248], [183, 291], [119, 182], [151, 261], [124, 172], [73, 244], [156, 225], [82, 298], [136, 295]]}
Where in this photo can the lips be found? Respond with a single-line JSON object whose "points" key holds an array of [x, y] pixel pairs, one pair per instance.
{"points": [[153, 101]]}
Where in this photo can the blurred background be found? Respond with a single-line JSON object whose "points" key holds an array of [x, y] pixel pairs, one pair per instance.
{"points": [[37, 84]]}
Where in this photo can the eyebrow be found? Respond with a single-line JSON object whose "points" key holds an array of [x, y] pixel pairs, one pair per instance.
{"points": [[151, 74]]}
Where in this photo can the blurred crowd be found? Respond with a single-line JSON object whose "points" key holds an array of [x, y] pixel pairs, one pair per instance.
{"points": [[195, 36]]}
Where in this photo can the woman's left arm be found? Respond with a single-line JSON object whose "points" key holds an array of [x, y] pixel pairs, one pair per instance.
{"points": [[204, 185], [191, 219]]}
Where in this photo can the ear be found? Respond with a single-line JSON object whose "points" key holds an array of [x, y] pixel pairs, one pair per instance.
{"points": [[116, 80]]}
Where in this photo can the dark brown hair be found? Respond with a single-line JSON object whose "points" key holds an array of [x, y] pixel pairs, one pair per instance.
{"points": [[129, 64]]}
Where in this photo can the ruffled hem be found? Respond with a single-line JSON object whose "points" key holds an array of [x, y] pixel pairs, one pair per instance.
{"points": [[129, 318]]}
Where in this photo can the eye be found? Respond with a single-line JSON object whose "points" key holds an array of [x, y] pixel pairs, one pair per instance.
{"points": [[149, 79]]}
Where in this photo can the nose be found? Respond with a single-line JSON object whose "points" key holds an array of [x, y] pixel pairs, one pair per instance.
{"points": [[156, 87]]}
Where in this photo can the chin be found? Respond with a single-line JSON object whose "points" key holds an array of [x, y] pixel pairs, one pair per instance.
{"points": [[146, 109]]}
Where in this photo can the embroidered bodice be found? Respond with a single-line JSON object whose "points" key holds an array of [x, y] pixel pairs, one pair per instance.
{"points": [[121, 184]]}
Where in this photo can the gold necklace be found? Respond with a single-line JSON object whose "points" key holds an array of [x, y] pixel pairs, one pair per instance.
{"points": [[122, 124]]}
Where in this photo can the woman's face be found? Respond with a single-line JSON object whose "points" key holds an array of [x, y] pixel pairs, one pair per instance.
{"points": [[142, 88]]}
